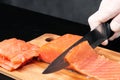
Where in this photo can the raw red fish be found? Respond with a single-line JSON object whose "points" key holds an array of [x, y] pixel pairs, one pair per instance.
{"points": [[15, 52], [53, 49], [81, 58], [84, 59]]}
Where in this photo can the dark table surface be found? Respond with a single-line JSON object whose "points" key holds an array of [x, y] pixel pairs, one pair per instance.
{"points": [[27, 25]]}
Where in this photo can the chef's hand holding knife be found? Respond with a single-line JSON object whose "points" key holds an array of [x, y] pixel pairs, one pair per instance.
{"points": [[109, 9]]}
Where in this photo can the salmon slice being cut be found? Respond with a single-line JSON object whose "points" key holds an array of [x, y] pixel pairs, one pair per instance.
{"points": [[53, 49], [15, 52], [84, 59], [81, 58]]}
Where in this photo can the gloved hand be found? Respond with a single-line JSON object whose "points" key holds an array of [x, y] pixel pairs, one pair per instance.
{"points": [[109, 9]]}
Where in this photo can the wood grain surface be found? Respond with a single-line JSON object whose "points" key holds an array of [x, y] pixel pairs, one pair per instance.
{"points": [[34, 69]]}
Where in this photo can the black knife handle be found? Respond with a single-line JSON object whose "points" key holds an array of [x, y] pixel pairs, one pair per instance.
{"points": [[109, 32]]}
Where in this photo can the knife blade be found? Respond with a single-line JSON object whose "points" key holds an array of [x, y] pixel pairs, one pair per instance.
{"points": [[95, 37]]}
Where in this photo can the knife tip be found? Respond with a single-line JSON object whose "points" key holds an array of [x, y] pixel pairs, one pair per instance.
{"points": [[45, 71], [54, 67], [49, 69]]}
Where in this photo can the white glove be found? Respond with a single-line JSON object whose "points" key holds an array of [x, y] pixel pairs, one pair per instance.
{"points": [[109, 9]]}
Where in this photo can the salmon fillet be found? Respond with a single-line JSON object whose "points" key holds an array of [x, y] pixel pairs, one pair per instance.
{"points": [[51, 50], [84, 59], [14, 53], [81, 58]]}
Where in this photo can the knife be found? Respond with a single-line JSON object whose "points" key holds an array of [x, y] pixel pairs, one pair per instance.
{"points": [[94, 38]]}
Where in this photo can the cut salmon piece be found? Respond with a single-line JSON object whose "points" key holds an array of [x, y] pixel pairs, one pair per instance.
{"points": [[80, 54], [15, 53], [53, 49], [84, 59]]}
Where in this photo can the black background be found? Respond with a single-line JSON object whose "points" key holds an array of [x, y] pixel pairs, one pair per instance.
{"points": [[24, 24]]}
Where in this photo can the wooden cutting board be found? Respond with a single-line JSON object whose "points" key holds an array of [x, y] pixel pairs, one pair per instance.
{"points": [[33, 70]]}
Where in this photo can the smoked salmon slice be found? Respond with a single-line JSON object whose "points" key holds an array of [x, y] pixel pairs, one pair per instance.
{"points": [[15, 53], [81, 58]]}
